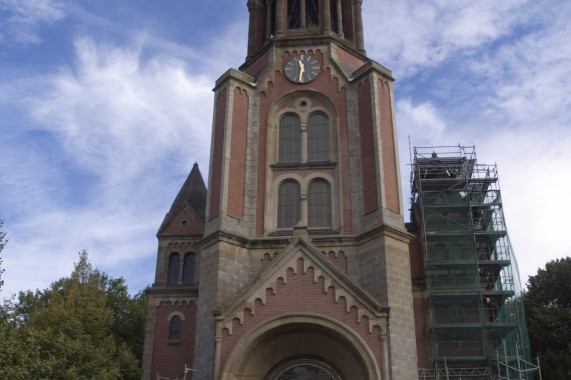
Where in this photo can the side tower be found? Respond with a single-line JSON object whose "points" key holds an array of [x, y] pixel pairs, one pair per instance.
{"points": [[171, 312], [303, 266], [467, 291]]}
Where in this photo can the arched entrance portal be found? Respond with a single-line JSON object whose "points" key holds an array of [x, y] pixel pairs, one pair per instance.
{"points": [[301, 347]]}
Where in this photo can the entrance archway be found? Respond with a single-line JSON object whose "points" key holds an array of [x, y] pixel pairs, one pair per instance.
{"points": [[283, 347]]}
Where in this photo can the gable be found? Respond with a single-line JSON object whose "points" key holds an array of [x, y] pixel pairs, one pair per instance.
{"points": [[184, 222], [300, 267]]}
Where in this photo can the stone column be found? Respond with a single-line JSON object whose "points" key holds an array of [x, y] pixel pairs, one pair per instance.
{"points": [[326, 16], [303, 220], [339, 18], [303, 143], [280, 19], [303, 16], [359, 39], [252, 29]]}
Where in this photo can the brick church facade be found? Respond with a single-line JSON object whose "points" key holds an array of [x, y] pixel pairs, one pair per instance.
{"points": [[295, 262]]}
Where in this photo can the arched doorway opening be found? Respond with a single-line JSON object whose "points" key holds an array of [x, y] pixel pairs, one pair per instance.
{"points": [[298, 347]]}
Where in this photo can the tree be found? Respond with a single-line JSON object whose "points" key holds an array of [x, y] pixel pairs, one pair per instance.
{"points": [[548, 311], [2, 244], [77, 328]]}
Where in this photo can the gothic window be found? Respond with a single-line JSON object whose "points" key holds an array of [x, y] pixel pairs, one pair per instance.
{"points": [[293, 14], [174, 268], [319, 204], [289, 135], [174, 331], [188, 269], [288, 204], [318, 138]]}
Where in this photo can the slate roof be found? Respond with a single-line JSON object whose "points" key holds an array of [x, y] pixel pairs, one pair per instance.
{"points": [[193, 193]]}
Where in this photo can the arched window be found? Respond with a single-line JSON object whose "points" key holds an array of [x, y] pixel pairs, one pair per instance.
{"points": [[318, 138], [174, 331], [188, 269], [319, 204], [288, 204], [290, 131], [174, 268]]}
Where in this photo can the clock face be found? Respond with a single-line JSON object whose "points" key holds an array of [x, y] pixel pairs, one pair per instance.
{"points": [[302, 68]]}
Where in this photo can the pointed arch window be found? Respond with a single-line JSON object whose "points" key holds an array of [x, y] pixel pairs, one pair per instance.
{"points": [[188, 269], [175, 327], [318, 138], [288, 204], [174, 268], [289, 135], [319, 204]]}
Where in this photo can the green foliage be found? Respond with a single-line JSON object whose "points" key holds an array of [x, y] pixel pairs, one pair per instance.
{"points": [[3, 241], [548, 311], [84, 326]]}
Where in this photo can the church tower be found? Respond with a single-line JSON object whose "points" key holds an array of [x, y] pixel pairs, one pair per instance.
{"points": [[296, 260]]}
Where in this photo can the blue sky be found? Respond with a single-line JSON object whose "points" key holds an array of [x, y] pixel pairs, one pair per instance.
{"points": [[106, 104]]}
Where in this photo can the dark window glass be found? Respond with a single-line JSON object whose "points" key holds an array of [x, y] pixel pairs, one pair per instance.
{"points": [[333, 7], [174, 332], [293, 14], [188, 269], [174, 268], [319, 204], [318, 138], [290, 130], [288, 204], [312, 12]]}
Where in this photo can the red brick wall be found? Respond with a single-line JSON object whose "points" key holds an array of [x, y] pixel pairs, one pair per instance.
{"points": [[217, 158], [392, 196], [257, 65], [349, 59], [416, 259], [300, 294], [176, 228], [368, 161], [339, 260], [169, 358], [420, 329], [238, 154]]}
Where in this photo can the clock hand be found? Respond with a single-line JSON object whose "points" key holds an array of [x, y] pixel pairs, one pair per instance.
{"points": [[301, 70]]}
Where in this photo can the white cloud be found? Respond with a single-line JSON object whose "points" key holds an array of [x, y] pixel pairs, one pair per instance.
{"points": [[129, 126], [413, 35], [116, 113], [422, 121], [23, 18]]}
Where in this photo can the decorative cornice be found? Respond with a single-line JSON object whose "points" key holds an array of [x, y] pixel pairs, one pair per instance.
{"points": [[172, 294], [372, 66], [385, 230]]}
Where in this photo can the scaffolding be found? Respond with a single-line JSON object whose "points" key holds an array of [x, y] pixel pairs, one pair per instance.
{"points": [[477, 324]]}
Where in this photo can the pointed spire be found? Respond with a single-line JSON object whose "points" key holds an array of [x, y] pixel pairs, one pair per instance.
{"points": [[193, 192]]}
